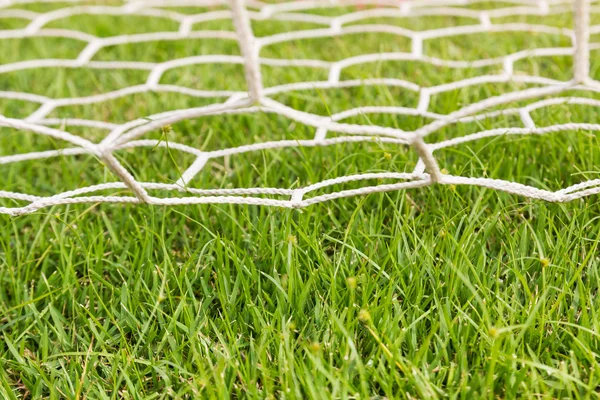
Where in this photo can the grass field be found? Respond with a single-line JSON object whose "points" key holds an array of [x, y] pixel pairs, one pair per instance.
{"points": [[440, 292]]}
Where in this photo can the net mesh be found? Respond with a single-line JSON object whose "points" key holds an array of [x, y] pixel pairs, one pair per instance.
{"points": [[330, 130]]}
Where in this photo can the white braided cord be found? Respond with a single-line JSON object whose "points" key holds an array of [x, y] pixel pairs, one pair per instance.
{"points": [[258, 98]]}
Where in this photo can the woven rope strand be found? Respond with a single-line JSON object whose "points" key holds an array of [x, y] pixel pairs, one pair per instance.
{"points": [[248, 48], [582, 38]]}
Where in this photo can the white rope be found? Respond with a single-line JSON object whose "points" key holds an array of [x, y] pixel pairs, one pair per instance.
{"points": [[582, 38], [258, 99], [248, 48]]}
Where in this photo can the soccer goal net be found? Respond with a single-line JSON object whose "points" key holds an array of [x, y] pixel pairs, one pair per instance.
{"points": [[238, 22]]}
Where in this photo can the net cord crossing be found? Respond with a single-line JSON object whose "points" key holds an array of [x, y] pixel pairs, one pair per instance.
{"points": [[258, 98]]}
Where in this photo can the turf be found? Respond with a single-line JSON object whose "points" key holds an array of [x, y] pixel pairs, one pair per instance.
{"points": [[441, 292]]}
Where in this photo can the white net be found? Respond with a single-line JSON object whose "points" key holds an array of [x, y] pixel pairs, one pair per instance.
{"points": [[329, 130]]}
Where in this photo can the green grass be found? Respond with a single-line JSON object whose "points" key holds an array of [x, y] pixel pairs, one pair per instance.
{"points": [[448, 292]]}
